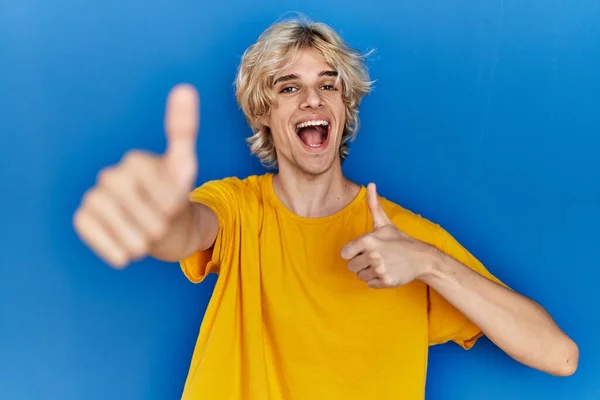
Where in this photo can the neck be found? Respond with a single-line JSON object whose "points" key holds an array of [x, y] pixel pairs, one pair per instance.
{"points": [[314, 196]]}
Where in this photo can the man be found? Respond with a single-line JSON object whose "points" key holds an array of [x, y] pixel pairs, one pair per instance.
{"points": [[325, 289]]}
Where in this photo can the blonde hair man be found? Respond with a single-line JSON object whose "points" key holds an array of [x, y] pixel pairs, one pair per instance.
{"points": [[325, 289]]}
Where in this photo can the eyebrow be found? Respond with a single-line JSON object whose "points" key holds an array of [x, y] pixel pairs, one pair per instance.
{"points": [[292, 77]]}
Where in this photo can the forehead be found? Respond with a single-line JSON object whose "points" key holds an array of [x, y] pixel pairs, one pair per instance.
{"points": [[306, 62]]}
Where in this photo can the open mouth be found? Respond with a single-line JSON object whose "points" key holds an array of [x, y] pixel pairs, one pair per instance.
{"points": [[313, 134]]}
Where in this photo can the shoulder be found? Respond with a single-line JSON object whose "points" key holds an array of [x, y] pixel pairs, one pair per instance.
{"points": [[411, 223], [252, 182], [232, 197], [432, 233], [232, 188]]}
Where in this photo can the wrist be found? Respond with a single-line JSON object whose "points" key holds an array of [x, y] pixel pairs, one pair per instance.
{"points": [[433, 259]]}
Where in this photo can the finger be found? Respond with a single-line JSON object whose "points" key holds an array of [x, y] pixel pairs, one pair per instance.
{"points": [[116, 223], [369, 258], [144, 212], [367, 274], [163, 196], [144, 191], [379, 216], [154, 186], [357, 246], [376, 283], [95, 236], [181, 126], [359, 263]]}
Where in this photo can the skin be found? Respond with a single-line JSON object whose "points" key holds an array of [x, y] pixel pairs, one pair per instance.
{"points": [[309, 182], [386, 257], [139, 207]]}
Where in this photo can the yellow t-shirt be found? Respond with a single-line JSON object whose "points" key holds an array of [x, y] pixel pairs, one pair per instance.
{"points": [[288, 320]]}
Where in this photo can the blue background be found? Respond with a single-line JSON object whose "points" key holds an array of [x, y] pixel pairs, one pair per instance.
{"points": [[484, 119]]}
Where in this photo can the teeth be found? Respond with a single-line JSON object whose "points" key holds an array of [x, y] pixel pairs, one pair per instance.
{"points": [[311, 123]]}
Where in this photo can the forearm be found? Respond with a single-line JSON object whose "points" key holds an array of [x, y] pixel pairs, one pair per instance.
{"points": [[516, 324], [194, 228]]}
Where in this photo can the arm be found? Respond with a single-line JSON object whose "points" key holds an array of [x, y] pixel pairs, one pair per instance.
{"points": [[141, 205], [196, 228], [387, 258], [516, 324]]}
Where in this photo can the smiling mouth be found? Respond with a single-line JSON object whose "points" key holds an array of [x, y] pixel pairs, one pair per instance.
{"points": [[313, 134]]}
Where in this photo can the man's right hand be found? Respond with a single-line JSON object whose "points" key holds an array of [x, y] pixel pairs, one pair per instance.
{"points": [[135, 203]]}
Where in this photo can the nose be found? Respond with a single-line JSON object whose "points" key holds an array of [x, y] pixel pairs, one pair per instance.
{"points": [[311, 99]]}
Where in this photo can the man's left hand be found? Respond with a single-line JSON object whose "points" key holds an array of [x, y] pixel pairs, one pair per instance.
{"points": [[386, 257]]}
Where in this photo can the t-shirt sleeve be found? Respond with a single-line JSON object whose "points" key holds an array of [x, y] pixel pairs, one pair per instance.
{"points": [[446, 323], [222, 198]]}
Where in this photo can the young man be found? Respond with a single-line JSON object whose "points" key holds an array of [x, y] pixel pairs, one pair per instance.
{"points": [[325, 289]]}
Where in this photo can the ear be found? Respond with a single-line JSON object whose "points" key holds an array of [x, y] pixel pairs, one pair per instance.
{"points": [[265, 120]]}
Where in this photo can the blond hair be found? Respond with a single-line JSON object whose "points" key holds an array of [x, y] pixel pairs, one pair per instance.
{"points": [[276, 49]]}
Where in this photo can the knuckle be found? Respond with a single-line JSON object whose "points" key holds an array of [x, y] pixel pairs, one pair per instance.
{"points": [[158, 230], [111, 177], [79, 218], [134, 158], [140, 249], [137, 245], [153, 232], [351, 265], [95, 199], [89, 199], [118, 260], [116, 176], [106, 176], [374, 255], [374, 284], [168, 207], [381, 270], [369, 241], [171, 206], [136, 251]]}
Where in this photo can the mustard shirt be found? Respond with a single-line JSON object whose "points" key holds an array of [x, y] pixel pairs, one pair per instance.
{"points": [[288, 320]]}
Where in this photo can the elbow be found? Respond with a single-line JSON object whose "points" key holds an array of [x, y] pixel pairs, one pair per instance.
{"points": [[568, 363]]}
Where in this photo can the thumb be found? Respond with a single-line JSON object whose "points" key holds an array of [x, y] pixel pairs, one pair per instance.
{"points": [[181, 126], [380, 218]]}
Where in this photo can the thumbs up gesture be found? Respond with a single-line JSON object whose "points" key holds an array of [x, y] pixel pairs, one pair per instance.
{"points": [[134, 202], [385, 257]]}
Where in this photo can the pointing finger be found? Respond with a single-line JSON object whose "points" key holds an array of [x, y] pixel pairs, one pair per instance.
{"points": [[357, 246]]}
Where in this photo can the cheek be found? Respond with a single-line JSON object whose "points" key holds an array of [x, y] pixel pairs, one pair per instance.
{"points": [[337, 104], [340, 116], [281, 116], [279, 131]]}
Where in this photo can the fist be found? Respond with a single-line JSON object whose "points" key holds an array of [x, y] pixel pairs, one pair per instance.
{"points": [[133, 203]]}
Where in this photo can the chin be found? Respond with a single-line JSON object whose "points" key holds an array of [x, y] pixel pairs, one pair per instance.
{"points": [[316, 165]]}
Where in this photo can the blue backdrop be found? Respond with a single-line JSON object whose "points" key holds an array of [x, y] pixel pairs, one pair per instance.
{"points": [[484, 119]]}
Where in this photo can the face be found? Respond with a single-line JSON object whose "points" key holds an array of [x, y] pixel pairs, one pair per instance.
{"points": [[308, 117]]}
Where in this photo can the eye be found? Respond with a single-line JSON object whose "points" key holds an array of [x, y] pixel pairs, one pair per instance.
{"points": [[328, 87], [288, 89]]}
